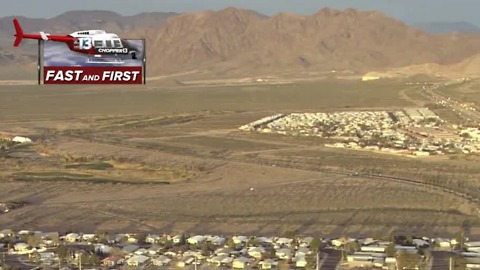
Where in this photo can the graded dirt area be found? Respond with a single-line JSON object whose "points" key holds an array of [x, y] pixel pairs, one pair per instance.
{"points": [[173, 159]]}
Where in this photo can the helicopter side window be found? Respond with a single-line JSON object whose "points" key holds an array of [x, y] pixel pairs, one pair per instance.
{"points": [[109, 43], [117, 43], [98, 43]]}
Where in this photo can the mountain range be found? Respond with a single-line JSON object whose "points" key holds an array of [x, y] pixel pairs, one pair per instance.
{"points": [[447, 27], [239, 42]]}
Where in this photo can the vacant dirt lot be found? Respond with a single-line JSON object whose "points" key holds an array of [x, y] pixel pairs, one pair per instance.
{"points": [[170, 159]]}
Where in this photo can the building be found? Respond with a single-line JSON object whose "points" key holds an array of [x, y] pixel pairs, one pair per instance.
{"points": [[19, 139]]}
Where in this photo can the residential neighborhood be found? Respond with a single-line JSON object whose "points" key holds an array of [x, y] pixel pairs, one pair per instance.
{"points": [[412, 131], [29, 249]]}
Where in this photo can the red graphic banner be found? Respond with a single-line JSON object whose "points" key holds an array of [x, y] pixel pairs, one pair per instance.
{"points": [[92, 75]]}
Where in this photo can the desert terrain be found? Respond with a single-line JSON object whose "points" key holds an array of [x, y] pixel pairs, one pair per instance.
{"points": [[171, 158], [168, 156]]}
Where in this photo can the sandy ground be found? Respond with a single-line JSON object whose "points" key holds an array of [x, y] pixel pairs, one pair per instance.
{"points": [[231, 192]]}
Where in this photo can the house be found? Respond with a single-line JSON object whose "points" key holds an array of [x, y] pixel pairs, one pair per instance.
{"points": [[379, 249], [186, 261], [378, 262], [390, 260], [284, 241], [217, 240], [301, 262], [256, 252], [241, 262], [19, 139], [360, 261], [130, 248], [177, 239], [284, 253], [341, 241], [472, 263], [88, 237], [72, 237], [6, 233], [137, 260], [240, 239], [223, 251], [111, 261], [21, 247], [302, 251], [101, 248], [367, 241], [153, 250], [227, 261], [420, 243], [305, 242], [473, 249], [264, 241], [153, 238], [50, 238], [161, 260], [46, 256], [266, 264], [170, 253], [472, 244], [443, 243], [196, 240], [217, 260], [132, 239], [120, 238], [141, 251], [191, 253]]}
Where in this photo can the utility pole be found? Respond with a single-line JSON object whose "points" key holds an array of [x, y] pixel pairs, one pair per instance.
{"points": [[318, 259], [462, 243], [450, 263], [195, 262]]}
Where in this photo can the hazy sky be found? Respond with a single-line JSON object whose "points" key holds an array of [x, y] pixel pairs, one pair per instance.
{"points": [[407, 10]]}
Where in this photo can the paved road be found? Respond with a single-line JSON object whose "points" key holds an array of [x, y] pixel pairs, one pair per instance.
{"points": [[441, 260], [16, 261], [332, 260], [453, 104]]}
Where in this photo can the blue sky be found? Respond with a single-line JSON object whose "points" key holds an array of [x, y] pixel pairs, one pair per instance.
{"points": [[410, 11]]}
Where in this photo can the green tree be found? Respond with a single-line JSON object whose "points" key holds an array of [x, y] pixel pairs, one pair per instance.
{"points": [[460, 238], [231, 243], [183, 239], [116, 251], [205, 249], [141, 238], [34, 240], [92, 259], [409, 240], [253, 243], [270, 254], [316, 245], [62, 252], [168, 244], [408, 260], [390, 251], [101, 236], [34, 256], [352, 246], [9, 242], [311, 261]]}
